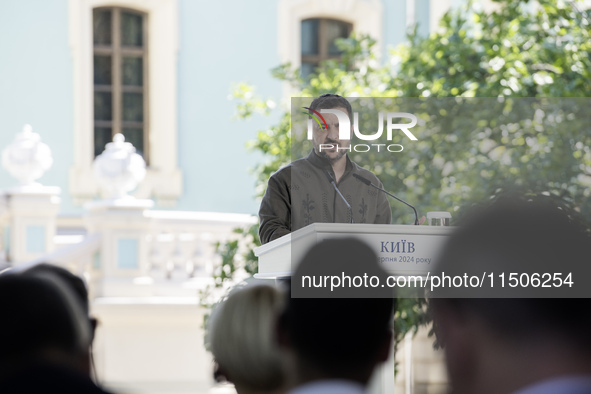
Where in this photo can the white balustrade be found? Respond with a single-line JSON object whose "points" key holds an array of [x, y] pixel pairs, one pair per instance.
{"points": [[182, 244], [150, 252], [129, 249]]}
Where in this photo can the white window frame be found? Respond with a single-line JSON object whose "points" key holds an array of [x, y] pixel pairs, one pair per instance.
{"points": [[164, 178], [365, 15]]}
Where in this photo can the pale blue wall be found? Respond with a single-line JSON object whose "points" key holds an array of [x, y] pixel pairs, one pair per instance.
{"points": [[222, 43], [35, 239], [36, 82], [394, 24], [422, 16], [127, 253]]}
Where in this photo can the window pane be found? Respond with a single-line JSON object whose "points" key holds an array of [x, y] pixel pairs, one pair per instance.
{"points": [[133, 107], [133, 71], [131, 29], [101, 21], [334, 30], [102, 70], [310, 37], [102, 106], [102, 136], [136, 137], [307, 69]]}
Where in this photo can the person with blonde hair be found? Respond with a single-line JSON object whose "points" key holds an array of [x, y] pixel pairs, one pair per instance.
{"points": [[242, 340]]}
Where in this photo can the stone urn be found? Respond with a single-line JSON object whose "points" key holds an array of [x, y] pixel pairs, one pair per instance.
{"points": [[119, 169], [27, 158]]}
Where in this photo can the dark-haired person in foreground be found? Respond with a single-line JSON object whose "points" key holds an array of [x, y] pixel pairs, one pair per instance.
{"points": [[301, 193], [45, 336], [336, 343], [78, 287], [517, 345]]}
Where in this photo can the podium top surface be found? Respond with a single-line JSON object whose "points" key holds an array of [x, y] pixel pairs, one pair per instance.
{"points": [[353, 229]]}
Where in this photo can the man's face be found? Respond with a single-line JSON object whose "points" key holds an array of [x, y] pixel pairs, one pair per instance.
{"points": [[323, 138]]}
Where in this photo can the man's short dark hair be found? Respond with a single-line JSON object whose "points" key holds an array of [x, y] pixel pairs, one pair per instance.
{"points": [[330, 101], [338, 336], [521, 234]]}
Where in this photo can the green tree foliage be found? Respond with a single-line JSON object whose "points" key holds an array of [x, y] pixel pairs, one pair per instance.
{"points": [[522, 49]]}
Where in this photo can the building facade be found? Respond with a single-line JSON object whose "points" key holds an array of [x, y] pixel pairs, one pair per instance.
{"points": [[160, 72]]}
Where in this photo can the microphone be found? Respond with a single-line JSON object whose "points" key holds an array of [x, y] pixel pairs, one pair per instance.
{"points": [[368, 183], [332, 182]]}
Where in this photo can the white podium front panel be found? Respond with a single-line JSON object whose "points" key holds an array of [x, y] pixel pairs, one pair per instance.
{"points": [[401, 249]]}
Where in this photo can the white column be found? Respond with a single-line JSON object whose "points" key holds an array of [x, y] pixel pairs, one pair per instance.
{"points": [[410, 13], [32, 216], [122, 259], [120, 219], [31, 209]]}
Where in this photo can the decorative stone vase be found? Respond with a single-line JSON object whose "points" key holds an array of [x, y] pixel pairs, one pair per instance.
{"points": [[27, 158], [118, 170]]}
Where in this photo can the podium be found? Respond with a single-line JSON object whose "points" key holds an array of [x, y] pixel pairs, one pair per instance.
{"points": [[401, 249]]}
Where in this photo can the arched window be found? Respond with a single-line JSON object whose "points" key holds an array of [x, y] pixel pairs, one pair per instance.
{"points": [[120, 77], [318, 41]]}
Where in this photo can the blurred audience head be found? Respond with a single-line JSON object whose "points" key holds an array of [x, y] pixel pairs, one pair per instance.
{"points": [[242, 341], [502, 345], [42, 322], [79, 290], [337, 338], [75, 283]]}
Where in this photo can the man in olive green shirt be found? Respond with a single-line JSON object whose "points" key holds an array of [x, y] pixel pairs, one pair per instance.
{"points": [[301, 193]]}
